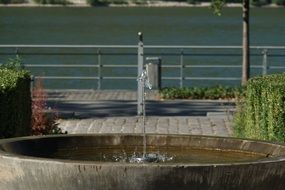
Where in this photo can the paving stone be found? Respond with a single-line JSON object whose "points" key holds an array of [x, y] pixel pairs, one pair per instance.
{"points": [[128, 128], [107, 126], [196, 131], [173, 125], [138, 127], [95, 126], [119, 121], [162, 125], [184, 129], [193, 121], [151, 129], [72, 125], [116, 128], [182, 120]]}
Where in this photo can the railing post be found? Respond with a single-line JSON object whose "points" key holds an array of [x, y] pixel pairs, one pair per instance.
{"points": [[99, 70], [32, 83], [264, 62], [140, 70], [17, 51], [181, 68]]}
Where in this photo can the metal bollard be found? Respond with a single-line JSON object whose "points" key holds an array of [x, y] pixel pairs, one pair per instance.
{"points": [[154, 71], [140, 70]]}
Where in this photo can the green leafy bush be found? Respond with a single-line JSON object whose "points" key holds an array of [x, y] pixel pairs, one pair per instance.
{"points": [[15, 100], [278, 2], [262, 115], [55, 2], [259, 2], [192, 1], [13, 64], [4, 1], [97, 2], [216, 92], [118, 2]]}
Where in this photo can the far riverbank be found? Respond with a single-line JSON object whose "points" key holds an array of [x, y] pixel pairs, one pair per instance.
{"points": [[83, 3]]}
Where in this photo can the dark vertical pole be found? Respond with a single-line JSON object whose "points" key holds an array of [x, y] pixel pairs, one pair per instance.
{"points": [[245, 43], [159, 74]]}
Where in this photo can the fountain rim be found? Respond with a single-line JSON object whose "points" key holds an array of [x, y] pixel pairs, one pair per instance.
{"points": [[10, 155]]}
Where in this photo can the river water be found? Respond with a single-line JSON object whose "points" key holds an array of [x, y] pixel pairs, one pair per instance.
{"points": [[119, 26]]}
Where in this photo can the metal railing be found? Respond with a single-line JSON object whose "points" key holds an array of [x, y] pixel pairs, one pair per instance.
{"points": [[182, 64]]}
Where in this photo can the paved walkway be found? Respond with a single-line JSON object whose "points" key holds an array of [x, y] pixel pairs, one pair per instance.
{"points": [[215, 125], [114, 111]]}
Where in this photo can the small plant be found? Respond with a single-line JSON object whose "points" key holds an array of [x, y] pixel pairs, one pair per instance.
{"points": [[42, 123]]}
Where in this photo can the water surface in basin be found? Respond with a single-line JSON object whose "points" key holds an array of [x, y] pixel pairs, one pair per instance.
{"points": [[162, 154]]}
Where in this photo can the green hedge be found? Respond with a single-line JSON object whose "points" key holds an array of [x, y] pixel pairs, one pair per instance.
{"points": [[97, 2], [215, 92], [263, 114], [15, 103], [259, 2], [253, 2], [54, 2], [278, 2]]}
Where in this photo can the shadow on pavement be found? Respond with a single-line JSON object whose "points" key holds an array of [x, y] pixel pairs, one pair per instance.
{"points": [[81, 109]]}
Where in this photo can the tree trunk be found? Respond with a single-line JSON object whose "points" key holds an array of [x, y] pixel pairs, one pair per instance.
{"points": [[245, 43]]}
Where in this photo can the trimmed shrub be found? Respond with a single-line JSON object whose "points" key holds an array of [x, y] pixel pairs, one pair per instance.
{"points": [[262, 115], [259, 3], [278, 2], [15, 102]]}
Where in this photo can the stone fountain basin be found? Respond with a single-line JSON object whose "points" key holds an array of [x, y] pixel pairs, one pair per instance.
{"points": [[25, 164]]}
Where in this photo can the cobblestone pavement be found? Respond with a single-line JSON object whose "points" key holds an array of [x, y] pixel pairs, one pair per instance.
{"points": [[114, 111], [214, 126]]}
